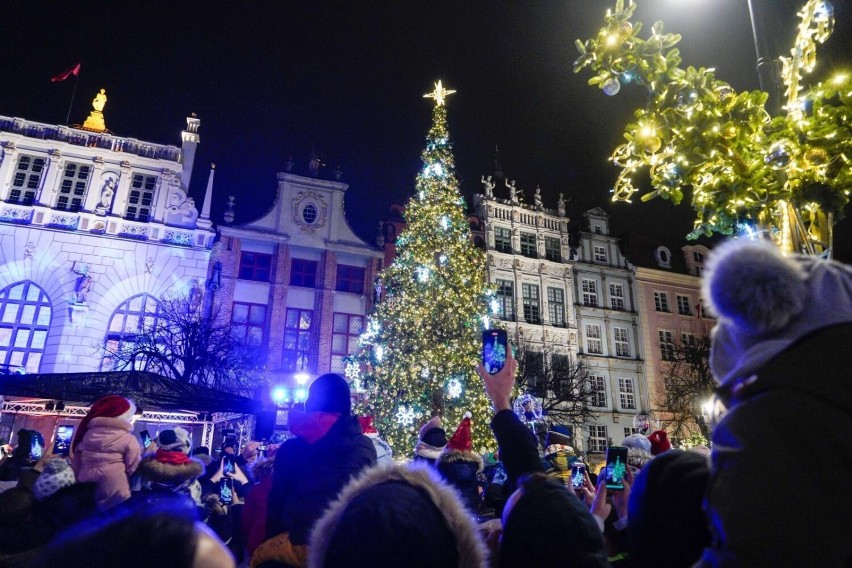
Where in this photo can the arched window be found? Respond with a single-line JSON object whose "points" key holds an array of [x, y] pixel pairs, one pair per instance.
{"points": [[24, 322], [128, 320]]}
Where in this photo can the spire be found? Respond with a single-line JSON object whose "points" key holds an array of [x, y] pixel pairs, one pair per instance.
{"points": [[204, 220]]}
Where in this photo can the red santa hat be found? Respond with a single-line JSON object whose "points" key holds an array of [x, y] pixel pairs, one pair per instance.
{"points": [[110, 406], [460, 448], [659, 442], [367, 427], [462, 440]]}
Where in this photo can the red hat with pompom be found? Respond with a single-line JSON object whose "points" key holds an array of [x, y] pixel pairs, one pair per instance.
{"points": [[367, 427], [659, 442], [110, 406]]}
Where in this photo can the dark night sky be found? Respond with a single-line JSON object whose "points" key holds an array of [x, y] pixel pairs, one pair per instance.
{"points": [[274, 79]]}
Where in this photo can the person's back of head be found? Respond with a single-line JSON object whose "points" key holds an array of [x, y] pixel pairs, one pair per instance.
{"points": [[396, 516], [667, 526], [16, 511], [547, 525], [136, 538]]}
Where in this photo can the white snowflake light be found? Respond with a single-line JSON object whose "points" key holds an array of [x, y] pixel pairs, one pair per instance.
{"points": [[424, 373], [352, 371], [445, 222], [443, 259], [438, 169], [405, 416], [454, 388], [422, 273], [486, 322], [380, 352], [422, 195], [495, 305]]}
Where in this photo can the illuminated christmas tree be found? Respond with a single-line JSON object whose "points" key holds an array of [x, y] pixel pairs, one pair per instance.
{"points": [[423, 339], [788, 175]]}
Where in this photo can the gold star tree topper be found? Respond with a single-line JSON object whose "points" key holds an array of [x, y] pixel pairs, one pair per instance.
{"points": [[439, 94]]}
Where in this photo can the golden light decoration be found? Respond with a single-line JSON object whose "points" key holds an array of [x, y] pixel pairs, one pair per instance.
{"points": [[698, 137]]}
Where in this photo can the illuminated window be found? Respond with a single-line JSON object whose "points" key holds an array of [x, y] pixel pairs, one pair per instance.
{"points": [[26, 181], [346, 328], [350, 279], [297, 341], [255, 266], [303, 273], [24, 324], [139, 313], [72, 190]]}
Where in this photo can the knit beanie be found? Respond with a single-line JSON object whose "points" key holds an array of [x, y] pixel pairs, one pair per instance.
{"points": [[174, 440], [55, 475], [433, 433], [666, 500], [659, 442], [110, 406], [329, 393]]}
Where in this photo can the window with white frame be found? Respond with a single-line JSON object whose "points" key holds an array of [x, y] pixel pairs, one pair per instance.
{"points": [[616, 296], [590, 292], [688, 340], [141, 197], [297, 341], [556, 306], [629, 431], [683, 305], [600, 254], [25, 313], [26, 180], [532, 309], [528, 245], [502, 240], [622, 344], [626, 394], [346, 329], [506, 300], [597, 439], [698, 260], [666, 345], [72, 189], [134, 316], [593, 339], [661, 301], [597, 389]]}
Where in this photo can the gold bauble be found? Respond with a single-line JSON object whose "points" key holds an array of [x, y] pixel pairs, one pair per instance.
{"points": [[652, 144], [729, 131], [626, 28], [816, 156]]}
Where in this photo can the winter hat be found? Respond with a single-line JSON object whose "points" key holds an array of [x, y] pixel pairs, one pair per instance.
{"points": [[550, 526], [659, 442], [462, 440], [666, 500], [362, 527], [110, 406], [431, 440], [329, 393], [367, 427], [766, 302], [458, 464], [637, 441], [55, 475], [174, 440]]}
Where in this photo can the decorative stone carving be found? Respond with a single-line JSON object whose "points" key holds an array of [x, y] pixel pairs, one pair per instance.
{"points": [[149, 265], [228, 216], [310, 211], [180, 209], [29, 249], [109, 181], [518, 264]]}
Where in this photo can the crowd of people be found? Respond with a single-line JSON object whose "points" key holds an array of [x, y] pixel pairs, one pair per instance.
{"points": [[333, 495]]}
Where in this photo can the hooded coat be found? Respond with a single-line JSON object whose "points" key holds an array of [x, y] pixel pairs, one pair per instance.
{"points": [[307, 477], [107, 455], [781, 350], [180, 478], [397, 516]]}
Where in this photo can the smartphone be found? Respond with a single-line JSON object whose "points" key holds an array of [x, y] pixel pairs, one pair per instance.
{"points": [[494, 346], [146, 438], [578, 475], [226, 491], [62, 442], [262, 449], [36, 445], [616, 467], [228, 464], [229, 438]]}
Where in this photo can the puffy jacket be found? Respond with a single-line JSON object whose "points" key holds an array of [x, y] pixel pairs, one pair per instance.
{"points": [[107, 455]]}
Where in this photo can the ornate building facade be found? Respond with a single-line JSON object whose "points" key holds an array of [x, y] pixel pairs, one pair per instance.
{"points": [[95, 229], [297, 281]]}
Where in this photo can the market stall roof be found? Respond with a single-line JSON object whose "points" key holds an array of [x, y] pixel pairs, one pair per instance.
{"points": [[148, 390]]}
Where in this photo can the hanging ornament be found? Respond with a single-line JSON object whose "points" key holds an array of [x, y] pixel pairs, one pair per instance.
{"points": [[527, 408], [652, 144], [454, 388], [405, 415], [422, 274], [728, 131], [626, 28], [816, 156], [443, 259], [424, 372], [727, 96], [352, 371], [686, 99], [670, 174], [611, 86], [779, 155], [445, 222], [379, 352]]}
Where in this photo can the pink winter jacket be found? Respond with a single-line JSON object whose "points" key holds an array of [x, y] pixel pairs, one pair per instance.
{"points": [[107, 455]]}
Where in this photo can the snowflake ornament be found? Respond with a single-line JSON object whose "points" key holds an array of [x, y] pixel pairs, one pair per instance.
{"points": [[445, 222], [405, 415], [454, 388], [352, 371], [422, 273]]}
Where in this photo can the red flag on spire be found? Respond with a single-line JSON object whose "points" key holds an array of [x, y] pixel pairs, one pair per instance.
{"points": [[64, 75]]}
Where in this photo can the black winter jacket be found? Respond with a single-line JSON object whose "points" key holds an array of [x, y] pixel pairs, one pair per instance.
{"points": [[307, 477], [518, 447], [779, 492]]}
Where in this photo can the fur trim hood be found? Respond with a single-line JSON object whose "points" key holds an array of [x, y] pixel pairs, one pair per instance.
{"points": [[424, 450], [766, 302], [470, 550], [448, 455], [169, 474]]}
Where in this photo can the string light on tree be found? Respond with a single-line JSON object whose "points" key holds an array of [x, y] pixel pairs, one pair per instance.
{"points": [[431, 316], [788, 175]]}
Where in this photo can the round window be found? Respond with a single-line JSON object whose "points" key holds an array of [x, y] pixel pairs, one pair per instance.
{"points": [[309, 213]]}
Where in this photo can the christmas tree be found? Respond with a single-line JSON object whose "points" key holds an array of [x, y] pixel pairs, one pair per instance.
{"points": [[423, 339]]}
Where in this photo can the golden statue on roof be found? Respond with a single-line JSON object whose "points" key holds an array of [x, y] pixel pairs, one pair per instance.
{"points": [[95, 121]]}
